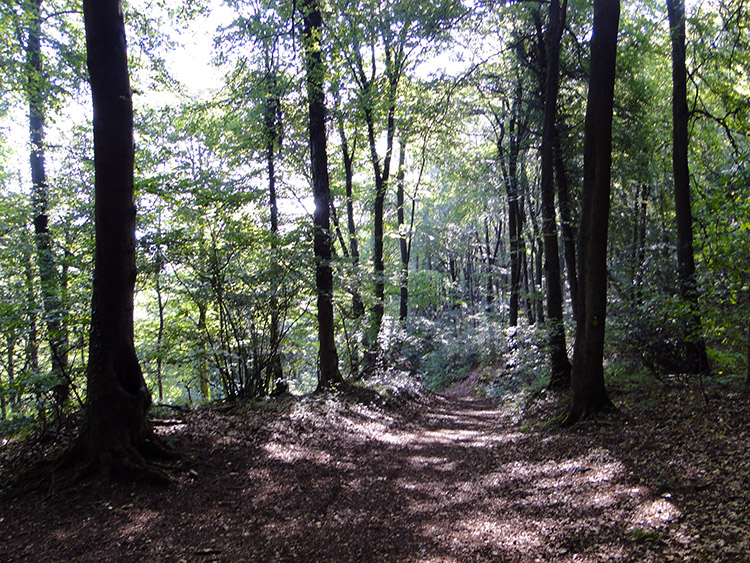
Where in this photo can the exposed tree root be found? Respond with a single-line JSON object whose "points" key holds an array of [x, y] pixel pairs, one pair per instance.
{"points": [[576, 414], [152, 462]]}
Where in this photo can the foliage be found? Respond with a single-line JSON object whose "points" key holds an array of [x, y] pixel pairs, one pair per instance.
{"points": [[460, 87], [444, 349]]}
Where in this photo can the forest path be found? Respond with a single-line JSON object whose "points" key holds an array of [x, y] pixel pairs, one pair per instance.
{"points": [[450, 479]]}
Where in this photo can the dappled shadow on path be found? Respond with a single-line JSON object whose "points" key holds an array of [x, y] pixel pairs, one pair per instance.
{"points": [[454, 480]]}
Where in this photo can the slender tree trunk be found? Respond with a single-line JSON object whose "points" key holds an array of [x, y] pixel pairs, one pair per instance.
{"points": [[329, 375], [567, 228], [381, 175], [203, 353], [40, 199], [528, 274], [10, 341], [639, 243], [490, 262], [160, 333], [358, 308], [32, 338], [273, 138], [511, 190], [381, 186], [695, 347], [558, 355], [588, 393], [31, 365], [537, 252], [117, 436], [402, 239]]}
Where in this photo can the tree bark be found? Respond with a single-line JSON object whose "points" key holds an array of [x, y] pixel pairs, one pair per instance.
{"points": [[588, 393], [50, 290], [273, 138], [402, 239], [358, 308], [160, 333], [558, 356], [567, 228], [117, 437], [368, 93], [515, 229], [696, 360], [203, 353], [329, 375], [381, 186]]}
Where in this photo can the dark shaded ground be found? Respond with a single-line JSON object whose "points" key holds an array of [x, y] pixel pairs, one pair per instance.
{"points": [[450, 478]]}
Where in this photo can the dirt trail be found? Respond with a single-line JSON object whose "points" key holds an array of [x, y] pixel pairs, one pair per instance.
{"points": [[452, 480]]}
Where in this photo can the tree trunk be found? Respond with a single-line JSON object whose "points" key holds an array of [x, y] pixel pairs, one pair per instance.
{"points": [[558, 355], [10, 340], [535, 264], [567, 228], [117, 436], [402, 239], [381, 174], [203, 353], [358, 308], [514, 228], [40, 200], [31, 365], [588, 393], [639, 243], [695, 347], [160, 334], [273, 138], [381, 185], [329, 375]]}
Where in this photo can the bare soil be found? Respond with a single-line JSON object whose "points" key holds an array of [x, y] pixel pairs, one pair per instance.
{"points": [[448, 478]]}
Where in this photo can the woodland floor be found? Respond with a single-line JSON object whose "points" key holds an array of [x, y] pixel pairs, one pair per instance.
{"points": [[437, 478]]}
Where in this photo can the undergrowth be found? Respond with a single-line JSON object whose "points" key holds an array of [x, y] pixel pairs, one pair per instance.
{"points": [[445, 349]]}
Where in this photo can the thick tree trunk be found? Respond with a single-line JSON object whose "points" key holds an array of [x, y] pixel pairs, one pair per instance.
{"points": [[559, 363], [329, 375], [117, 434], [50, 290], [588, 393], [695, 347]]}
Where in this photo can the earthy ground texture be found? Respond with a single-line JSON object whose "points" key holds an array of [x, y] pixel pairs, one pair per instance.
{"points": [[432, 478]]}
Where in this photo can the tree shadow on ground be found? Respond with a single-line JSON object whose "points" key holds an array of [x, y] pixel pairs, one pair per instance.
{"points": [[452, 479]]}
